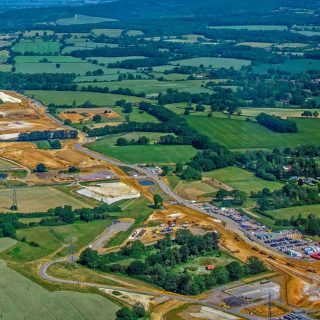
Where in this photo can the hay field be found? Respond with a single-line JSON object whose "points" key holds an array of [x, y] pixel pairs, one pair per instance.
{"points": [[38, 47], [51, 239], [20, 298], [287, 213], [68, 97], [159, 154], [6, 164], [38, 199], [213, 62], [51, 59], [283, 113], [154, 86], [236, 134], [241, 179]]}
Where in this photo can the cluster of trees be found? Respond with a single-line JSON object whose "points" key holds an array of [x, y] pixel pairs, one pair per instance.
{"points": [[277, 124], [8, 225], [282, 163], [170, 123], [40, 81], [120, 91], [161, 259], [231, 198], [213, 157], [310, 114], [48, 135], [289, 195], [143, 140], [137, 312], [309, 225]]}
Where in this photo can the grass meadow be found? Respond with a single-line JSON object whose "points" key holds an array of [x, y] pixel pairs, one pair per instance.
{"points": [[68, 97], [38, 47], [28, 199], [157, 154], [241, 179], [213, 62], [287, 213], [236, 134], [21, 298]]}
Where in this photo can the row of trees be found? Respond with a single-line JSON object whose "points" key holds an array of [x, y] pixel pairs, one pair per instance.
{"points": [[48, 135], [277, 124]]}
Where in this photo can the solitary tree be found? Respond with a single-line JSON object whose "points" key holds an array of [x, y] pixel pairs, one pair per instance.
{"points": [[157, 199]]}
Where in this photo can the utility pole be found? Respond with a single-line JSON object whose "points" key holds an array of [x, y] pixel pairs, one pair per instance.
{"points": [[14, 206], [71, 247]]}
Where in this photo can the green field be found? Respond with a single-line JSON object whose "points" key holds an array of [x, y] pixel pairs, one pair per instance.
{"points": [[280, 112], [51, 239], [38, 47], [213, 62], [28, 199], [52, 59], [6, 243], [293, 66], [158, 154], [261, 27], [287, 213], [68, 97], [79, 68], [153, 86], [20, 298], [236, 134], [242, 180], [82, 19]]}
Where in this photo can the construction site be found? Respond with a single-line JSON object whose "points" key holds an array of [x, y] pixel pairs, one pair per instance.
{"points": [[293, 282]]}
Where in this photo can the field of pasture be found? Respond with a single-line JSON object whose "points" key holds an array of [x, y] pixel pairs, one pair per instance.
{"points": [[236, 134]]}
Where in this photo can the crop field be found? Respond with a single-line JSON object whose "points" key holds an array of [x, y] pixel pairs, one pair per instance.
{"points": [[82, 19], [237, 134], [17, 302], [158, 154], [6, 243], [153, 86], [241, 179], [283, 113], [287, 213], [293, 66], [52, 59], [68, 97], [79, 68], [28, 199], [50, 239], [261, 27], [213, 62], [37, 47]]}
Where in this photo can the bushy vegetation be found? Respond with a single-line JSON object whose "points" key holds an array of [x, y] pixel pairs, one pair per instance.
{"points": [[156, 264]]}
